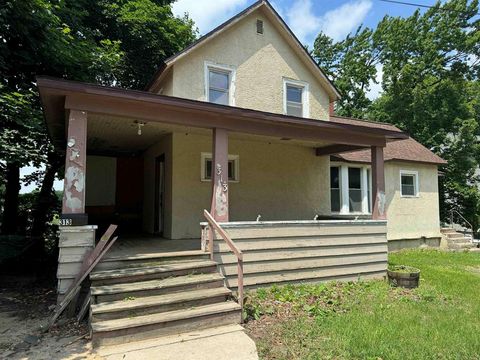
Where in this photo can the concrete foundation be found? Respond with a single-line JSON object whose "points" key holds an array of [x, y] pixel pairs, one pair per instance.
{"points": [[399, 244], [74, 243]]}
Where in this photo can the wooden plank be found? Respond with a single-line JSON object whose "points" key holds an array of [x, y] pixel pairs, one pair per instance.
{"points": [[298, 264], [296, 253], [291, 231], [332, 273], [304, 242], [75, 288]]}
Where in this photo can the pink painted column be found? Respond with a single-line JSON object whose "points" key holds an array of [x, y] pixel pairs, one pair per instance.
{"points": [[378, 184], [219, 209], [73, 206]]}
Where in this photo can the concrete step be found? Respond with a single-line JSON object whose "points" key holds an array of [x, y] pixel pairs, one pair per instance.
{"points": [[446, 230], [455, 235], [459, 240], [155, 287], [152, 259], [156, 304], [149, 272], [118, 331], [461, 246]]}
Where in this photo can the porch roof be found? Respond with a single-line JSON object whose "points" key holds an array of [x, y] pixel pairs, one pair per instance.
{"points": [[59, 96]]}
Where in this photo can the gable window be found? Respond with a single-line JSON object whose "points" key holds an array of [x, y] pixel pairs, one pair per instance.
{"points": [[408, 183], [295, 102], [350, 189], [219, 81], [207, 165]]}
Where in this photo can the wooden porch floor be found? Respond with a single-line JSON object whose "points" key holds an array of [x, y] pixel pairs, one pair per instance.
{"points": [[149, 245]]}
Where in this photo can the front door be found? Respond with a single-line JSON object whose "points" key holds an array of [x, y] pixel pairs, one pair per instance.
{"points": [[159, 194]]}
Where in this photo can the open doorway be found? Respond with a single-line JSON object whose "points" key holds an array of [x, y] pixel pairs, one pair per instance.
{"points": [[159, 222]]}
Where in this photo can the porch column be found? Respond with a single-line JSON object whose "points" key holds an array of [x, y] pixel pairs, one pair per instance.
{"points": [[73, 205], [219, 209], [378, 184]]}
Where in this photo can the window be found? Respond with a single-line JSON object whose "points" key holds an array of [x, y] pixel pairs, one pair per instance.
{"points": [[295, 98], [219, 81], [408, 183], [350, 189], [354, 190], [233, 167], [335, 195]]}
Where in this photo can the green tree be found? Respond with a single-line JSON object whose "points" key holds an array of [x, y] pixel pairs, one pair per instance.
{"points": [[430, 87], [112, 42]]}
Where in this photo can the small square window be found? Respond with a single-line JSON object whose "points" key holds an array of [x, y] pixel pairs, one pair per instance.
{"points": [[233, 167], [408, 184]]}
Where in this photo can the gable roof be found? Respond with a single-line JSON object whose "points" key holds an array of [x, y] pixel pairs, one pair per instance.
{"points": [[402, 150], [281, 26]]}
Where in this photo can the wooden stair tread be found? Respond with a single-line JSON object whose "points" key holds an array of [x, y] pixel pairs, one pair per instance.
{"points": [[152, 319], [159, 300], [155, 269], [159, 255], [156, 284]]}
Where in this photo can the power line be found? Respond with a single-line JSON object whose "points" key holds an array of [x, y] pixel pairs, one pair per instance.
{"points": [[426, 6]]}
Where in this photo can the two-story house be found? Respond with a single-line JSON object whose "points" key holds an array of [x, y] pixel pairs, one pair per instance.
{"points": [[239, 123]]}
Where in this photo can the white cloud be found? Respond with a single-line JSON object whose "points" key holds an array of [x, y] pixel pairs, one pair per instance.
{"points": [[376, 88], [336, 23], [208, 14]]}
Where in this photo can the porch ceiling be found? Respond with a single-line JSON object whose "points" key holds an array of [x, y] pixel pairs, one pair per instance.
{"points": [[59, 96]]}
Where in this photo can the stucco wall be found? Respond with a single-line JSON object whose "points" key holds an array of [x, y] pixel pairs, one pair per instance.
{"points": [[278, 181], [163, 147], [412, 217], [261, 62]]}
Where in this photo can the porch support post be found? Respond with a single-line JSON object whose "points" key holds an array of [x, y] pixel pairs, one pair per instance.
{"points": [[219, 209], [378, 184], [73, 205]]}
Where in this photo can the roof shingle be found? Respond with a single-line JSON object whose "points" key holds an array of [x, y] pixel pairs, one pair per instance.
{"points": [[401, 150]]}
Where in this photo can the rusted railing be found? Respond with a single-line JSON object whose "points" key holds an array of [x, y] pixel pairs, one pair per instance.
{"points": [[215, 226]]}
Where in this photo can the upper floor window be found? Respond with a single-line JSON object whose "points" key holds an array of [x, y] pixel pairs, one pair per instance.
{"points": [[408, 183], [295, 98], [219, 84]]}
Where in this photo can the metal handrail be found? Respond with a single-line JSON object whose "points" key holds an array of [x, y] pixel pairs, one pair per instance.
{"points": [[463, 218], [238, 253]]}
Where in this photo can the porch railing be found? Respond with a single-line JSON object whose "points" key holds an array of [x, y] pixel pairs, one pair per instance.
{"points": [[215, 226], [454, 212]]}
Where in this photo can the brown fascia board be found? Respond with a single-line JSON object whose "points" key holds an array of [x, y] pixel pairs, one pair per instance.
{"points": [[60, 87], [339, 160], [152, 86]]}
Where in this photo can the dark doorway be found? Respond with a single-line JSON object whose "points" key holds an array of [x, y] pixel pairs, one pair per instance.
{"points": [[159, 223]]}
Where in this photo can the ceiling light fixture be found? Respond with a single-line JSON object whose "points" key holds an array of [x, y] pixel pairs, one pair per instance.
{"points": [[140, 125]]}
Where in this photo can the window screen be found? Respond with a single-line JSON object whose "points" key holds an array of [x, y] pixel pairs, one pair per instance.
{"points": [[335, 189], [355, 189], [294, 100], [408, 185]]}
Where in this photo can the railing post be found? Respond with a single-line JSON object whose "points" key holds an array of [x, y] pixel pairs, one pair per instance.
{"points": [[240, 286], [210, 240]]}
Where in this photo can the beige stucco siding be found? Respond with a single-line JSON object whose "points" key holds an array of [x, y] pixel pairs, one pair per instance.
{"points": [[277, 181], [162, 147], [412, 217], [260, 62]]}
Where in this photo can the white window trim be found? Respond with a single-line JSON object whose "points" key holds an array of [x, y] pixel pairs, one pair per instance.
{"points": [[305, 95], [236, 162], [415, 174], [344, 195], [208, 65]]}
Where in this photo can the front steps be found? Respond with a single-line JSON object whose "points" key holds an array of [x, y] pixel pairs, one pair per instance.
{"points": [[147, 296], [456, 240]]}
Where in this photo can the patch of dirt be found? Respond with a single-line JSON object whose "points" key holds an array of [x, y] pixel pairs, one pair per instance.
{"points": [[23, 311], [473, 269]]}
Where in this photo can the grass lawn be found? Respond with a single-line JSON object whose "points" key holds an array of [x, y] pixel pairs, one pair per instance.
{"points": [[370, 319]]}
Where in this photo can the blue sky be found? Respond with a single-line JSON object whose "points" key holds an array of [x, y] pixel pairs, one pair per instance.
{"points": [[306, 18]]}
